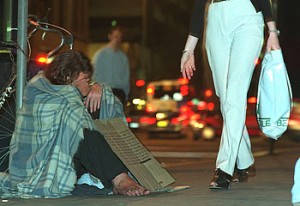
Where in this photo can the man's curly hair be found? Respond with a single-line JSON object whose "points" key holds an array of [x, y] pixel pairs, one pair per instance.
{"points": [[66, 66]]}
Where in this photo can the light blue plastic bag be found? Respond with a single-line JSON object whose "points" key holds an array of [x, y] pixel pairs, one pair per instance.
{"points": [[274, 98]]}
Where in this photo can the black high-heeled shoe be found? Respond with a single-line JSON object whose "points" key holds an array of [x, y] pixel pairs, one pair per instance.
{"points": [[220, 180], [240, 176]]}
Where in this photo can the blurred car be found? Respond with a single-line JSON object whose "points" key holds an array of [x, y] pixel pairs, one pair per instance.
{"points": [[167, 95], [175, 111], [293, 130], [136, 114], [163, 101], [162, 98], [171, 109], [190, 121]]}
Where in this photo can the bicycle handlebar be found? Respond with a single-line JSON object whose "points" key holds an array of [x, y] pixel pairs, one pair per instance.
{"points": [[66, 37], [47, 27]]}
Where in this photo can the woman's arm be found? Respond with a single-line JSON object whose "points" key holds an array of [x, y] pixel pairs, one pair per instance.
{"points": [[197, 19], [273, 41], [187, 66], [267, 9]]}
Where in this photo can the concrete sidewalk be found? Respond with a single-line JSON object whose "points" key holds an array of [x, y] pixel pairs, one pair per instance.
{"points": [[270, 187]]}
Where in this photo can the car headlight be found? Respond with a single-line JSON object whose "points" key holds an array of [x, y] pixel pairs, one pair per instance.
{"points": [[198, 125], [162, 123], [134, 125], [161, 115], [208, 133]]}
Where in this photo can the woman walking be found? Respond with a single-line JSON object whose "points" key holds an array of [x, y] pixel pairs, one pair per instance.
{"points": [[234, 38]]}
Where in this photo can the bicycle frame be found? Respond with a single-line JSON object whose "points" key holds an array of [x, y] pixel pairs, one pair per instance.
{"points": [[67, 39]]}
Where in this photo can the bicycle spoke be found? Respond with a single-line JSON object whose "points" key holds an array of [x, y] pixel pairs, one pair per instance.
{"points": [[7, 124]]}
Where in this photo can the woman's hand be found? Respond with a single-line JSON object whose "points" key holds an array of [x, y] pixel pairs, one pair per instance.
{"points": [[187, 64], [93, 99], [273, 42]]}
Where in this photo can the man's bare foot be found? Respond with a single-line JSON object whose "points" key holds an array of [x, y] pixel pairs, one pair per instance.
{"points": [[124, 185]]}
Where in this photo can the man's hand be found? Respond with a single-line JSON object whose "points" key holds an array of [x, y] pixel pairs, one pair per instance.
{"points": [[93, 99]]}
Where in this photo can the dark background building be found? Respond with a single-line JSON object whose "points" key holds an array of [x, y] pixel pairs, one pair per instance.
{"points": [[289, 24]]}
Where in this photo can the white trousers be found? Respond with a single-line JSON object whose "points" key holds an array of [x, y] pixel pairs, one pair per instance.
{"points": [[296, 186], [234, 38]]}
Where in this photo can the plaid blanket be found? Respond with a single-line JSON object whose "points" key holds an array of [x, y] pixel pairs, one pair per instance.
{"points": [[47, 133], [111, 106]]}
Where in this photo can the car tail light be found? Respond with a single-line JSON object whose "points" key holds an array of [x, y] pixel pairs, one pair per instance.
{"points": [[183, 81], [175, 120], [190, 103], [184, 109], [149, 108], [42, 59], [202, 105], [183, 117], [208, 93], [185, 122], [148, 120], [128, 119], [150, 90], [195, 117], [211, 106], [184, 90], [252, 100], [140, 83]]}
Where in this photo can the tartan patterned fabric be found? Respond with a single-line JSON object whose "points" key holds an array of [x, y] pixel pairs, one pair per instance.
{"points": [[111, 106], [47, 133]]}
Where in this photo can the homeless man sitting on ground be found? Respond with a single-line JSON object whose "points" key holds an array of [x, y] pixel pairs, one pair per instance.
{"points": [[54, 141]]}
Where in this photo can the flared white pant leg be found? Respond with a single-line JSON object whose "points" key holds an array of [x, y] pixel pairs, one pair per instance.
{"points": [[234, 38]]}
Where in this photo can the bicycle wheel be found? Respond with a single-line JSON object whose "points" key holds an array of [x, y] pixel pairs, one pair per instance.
{"points": [[7, 124], [7, 108]]}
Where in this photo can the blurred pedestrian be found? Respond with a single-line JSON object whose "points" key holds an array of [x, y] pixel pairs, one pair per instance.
{"points": [[233, 40], [112, 66], [296, 186]]}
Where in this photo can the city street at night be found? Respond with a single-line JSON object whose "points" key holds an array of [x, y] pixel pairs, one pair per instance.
{"points": [[192, 80]]}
